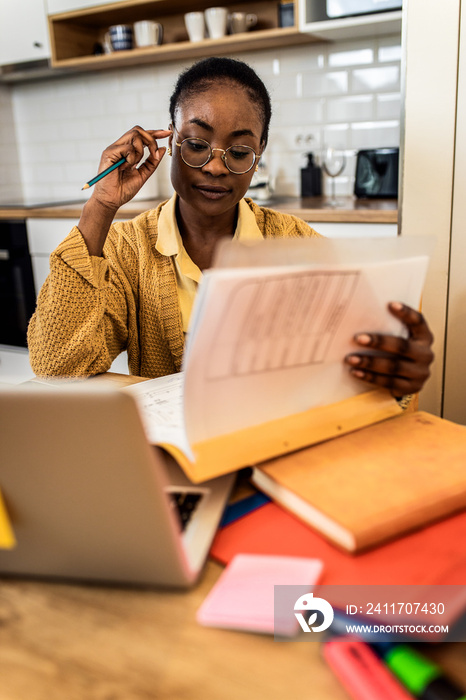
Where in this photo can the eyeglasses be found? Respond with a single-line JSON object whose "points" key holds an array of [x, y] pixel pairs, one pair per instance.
{"points": [[196, 153]]}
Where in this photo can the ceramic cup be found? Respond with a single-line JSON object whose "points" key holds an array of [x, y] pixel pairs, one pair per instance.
{"points": [[195, 25], [241, 22], [121, 37], [147, 33], [216, 19]]}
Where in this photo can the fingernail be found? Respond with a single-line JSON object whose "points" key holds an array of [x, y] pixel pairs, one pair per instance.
{"points": [[396, 305], [353, 360], [357, 373], [363, 338]]}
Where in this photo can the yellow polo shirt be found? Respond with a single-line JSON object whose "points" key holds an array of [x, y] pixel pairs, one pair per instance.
{"points": [[188, 275]]}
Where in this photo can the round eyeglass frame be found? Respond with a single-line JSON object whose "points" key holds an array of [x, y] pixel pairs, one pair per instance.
{"points": [[223, 156]]}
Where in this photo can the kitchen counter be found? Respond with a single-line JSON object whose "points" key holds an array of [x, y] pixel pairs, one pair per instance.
{"points": [[312, 209]]}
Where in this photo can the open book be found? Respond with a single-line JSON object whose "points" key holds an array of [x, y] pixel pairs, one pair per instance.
{"points": [[263, 371]]}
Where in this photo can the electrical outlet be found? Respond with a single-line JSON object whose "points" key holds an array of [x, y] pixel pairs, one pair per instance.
{"points": [[304, 141]]}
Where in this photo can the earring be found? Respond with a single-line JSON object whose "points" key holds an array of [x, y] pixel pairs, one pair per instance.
{"points": [[257, 167], [169, 150]]}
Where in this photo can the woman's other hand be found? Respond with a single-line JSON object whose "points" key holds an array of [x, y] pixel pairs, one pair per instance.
{"points": [[399, 364]]}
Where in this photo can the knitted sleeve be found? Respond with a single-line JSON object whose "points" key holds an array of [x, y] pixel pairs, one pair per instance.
{"points": [[274, 224], [80, 322]]}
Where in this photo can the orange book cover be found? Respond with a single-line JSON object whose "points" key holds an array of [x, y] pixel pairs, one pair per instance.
{"points": [[373, 484]]}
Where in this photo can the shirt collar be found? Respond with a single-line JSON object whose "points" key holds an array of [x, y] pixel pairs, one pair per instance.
{"points": [[169, 241], [246, 228]]}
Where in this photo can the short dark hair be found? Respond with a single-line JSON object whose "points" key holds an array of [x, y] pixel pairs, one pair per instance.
{"points": [[205, 73]]}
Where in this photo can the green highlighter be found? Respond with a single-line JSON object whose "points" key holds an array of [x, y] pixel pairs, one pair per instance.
{"points": [[422, 677]]}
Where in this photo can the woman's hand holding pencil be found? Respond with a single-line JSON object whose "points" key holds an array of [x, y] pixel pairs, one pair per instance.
{"points": [[122, 159], [121, 175]]}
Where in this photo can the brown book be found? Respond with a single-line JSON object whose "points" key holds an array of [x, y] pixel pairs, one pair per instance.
{"points": [[373, 484]]}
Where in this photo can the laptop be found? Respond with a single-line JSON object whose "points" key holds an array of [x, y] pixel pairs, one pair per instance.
{"points": [[90, 499]]}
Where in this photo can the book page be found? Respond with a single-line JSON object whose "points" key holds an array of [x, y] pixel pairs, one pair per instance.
{"points": [[269, 342], [160, 403]]}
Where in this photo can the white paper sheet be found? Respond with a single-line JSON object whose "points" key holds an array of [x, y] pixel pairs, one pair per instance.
{"points": [[267, 342]]}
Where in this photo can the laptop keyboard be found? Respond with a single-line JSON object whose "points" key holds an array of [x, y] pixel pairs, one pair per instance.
{"points": [[185, 503]]}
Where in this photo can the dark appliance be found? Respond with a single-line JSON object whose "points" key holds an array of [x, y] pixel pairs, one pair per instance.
{"points": [[377, 173], [17, 293]]}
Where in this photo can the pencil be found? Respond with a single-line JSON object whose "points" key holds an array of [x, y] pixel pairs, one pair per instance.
{"points": [[103, 174]]}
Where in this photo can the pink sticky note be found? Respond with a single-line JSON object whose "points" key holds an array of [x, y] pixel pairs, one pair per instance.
{"points": [[243, 597]]}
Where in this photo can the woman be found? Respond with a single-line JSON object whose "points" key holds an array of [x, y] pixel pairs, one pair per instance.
{"points": [[131, 285]]}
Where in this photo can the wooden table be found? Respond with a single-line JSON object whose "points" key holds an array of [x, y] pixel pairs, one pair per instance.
{"points": [[62, 641], [67, 642], [78, 642]]}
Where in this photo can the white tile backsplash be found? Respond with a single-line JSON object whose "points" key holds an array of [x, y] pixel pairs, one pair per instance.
{"points": [[301, 112], [150, 101], [87, 148], [376, 79], [10, 171], [345, 94], [286, 87], [389, 49], [301, 58], [350, 108], [388, 106], [375, 134], [336, 135], [351, 57], [325, 83]]}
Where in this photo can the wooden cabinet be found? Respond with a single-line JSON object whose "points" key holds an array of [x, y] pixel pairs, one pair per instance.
{"points": [[23, 31], [77, 29], [14, 365], [351, 230], [75, 34]]}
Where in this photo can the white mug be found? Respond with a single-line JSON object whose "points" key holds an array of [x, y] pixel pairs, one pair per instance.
{"points": [[241, 22], [195, 25], [216, 19], [147, 33]]}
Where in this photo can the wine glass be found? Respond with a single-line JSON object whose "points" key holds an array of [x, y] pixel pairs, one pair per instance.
{"points": [[333, 163]]}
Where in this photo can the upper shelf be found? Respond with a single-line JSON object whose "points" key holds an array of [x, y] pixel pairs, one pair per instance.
{"points": [[75, 35], [263, 39]]}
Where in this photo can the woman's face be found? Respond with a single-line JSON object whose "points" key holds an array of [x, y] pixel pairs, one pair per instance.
{"points": [[224, 116]]}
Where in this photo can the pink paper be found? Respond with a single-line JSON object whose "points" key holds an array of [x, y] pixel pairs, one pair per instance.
{"points": [[243, 597]]}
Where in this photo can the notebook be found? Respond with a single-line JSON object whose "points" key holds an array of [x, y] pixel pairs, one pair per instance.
{"points": [[89, 499], [374, 484]]}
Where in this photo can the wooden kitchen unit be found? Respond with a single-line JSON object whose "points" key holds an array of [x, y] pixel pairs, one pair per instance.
{"points": [[74, 35], [312, 209]]}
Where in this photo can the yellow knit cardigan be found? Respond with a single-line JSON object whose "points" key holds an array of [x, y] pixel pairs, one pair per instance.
{"points": [[90, 309]]}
